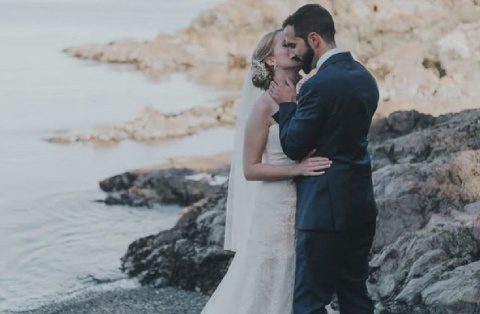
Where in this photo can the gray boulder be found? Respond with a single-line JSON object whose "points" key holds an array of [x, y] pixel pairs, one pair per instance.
{"points": [[423, 166], [427, 186], [190, 255], [165, 186], [429, 271]]}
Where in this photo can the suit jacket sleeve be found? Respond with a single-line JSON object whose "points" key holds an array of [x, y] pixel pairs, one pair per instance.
{"points": [[300, 124]]}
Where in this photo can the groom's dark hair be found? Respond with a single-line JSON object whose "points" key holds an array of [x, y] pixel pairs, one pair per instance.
{"points": [[312, 18]]}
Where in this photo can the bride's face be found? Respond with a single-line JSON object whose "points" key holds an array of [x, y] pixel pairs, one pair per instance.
{"points": [[281, 54]]}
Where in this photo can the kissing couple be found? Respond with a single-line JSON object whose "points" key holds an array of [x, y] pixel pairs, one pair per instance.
{"points": [[301, 214]]}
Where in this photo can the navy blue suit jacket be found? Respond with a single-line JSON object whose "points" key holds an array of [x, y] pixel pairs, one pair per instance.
{"points": [[333, 114]]}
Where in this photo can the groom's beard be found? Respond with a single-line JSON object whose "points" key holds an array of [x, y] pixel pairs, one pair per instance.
{"points": [[307, 59]]}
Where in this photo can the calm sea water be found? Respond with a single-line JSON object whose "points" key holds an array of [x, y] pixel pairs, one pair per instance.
{"points": [[54, 241]]}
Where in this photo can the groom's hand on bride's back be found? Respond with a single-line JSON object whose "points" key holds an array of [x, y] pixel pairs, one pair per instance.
{"points": [[282, 91]]}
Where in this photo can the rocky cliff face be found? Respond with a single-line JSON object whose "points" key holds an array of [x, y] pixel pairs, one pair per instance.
{"points": [[426, 254], [425, 55]]}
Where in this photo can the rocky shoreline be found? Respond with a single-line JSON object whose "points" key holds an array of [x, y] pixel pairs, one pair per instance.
{"points": [[426, 256], [151, 125], [423, 55]]}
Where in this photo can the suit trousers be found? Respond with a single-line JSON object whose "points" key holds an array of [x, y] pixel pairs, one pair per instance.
{"points": [[330, 262]]}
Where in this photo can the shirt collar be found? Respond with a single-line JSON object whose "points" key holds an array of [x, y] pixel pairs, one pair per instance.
{"points": [[327, 55]]}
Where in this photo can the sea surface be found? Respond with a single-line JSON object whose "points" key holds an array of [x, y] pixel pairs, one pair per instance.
{"points": [[55, 241]]}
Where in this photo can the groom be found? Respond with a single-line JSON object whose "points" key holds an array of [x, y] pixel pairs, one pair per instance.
{"points": [[336, 212]]}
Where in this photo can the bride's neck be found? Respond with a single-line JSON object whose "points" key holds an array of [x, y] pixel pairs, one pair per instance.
{"points": [[284, 74]]}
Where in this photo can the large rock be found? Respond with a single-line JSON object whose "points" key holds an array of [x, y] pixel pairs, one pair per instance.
{"points": [[190, 255], [430, 271], [399, 123], [457, 291], [422, 166], [405, 137], [164, 186]]}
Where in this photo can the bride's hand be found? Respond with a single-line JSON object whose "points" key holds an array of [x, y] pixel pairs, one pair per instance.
{"points": [[313, 166]]}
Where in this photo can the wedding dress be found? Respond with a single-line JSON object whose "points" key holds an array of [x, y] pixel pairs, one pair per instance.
{"points": [[260, 279]]}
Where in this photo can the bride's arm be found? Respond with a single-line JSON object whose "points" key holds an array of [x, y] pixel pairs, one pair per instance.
{"points": [[256, 134]]}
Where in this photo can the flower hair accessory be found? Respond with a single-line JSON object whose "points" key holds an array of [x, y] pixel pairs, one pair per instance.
{"points": [[260, 69]]}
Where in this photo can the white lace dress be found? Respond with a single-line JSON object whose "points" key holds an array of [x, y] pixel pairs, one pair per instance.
{"points": [[261, 276]]}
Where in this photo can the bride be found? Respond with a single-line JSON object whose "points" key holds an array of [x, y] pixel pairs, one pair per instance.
{"points": [[260, 225]]}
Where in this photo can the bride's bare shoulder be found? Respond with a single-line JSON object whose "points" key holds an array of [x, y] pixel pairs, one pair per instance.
{"points": [[263, 106]]}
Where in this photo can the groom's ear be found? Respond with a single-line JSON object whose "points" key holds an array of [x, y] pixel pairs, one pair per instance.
{"points": [[314, 40]]}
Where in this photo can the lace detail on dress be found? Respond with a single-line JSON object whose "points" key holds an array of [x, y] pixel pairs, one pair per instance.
{"points": [[260, 278]]}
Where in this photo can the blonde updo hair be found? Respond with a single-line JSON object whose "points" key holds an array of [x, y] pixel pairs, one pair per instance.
{"points": [[262, 73]]}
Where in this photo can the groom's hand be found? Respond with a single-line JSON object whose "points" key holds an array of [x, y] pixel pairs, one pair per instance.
{"points": [[282, 91]]}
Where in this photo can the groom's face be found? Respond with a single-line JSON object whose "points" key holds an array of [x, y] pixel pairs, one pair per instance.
{"points": [[300, 50]]}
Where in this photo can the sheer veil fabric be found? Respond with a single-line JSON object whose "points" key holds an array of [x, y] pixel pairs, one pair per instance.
{"points": [[240, 191]]}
